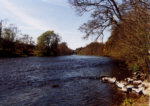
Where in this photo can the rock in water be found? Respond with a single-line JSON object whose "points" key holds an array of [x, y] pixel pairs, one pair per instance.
{"points": [[54, 85], [108, 79]]}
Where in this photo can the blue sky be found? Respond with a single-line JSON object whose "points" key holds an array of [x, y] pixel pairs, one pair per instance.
{"points": [[34, 17]]}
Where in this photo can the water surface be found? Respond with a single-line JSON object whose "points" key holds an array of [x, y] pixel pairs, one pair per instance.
{"points": [[26, 81]]}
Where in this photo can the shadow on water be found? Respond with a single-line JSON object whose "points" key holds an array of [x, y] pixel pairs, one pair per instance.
{"points": [[26, 81]]}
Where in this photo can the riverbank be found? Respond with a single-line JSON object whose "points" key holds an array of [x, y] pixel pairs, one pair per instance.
{"points": [[136, 101], [135, 89], [31, 81], [28, 81]]}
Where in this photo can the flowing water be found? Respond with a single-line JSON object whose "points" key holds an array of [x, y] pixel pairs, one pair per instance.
{"points": [[28, 81]]}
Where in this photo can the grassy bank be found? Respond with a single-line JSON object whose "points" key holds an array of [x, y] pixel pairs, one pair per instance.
{"points": [[139, 101]]}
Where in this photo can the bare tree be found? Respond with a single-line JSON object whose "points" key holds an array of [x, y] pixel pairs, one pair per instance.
{"points": [[0, 29], [105, 13], [129, 21], [10, 33]]}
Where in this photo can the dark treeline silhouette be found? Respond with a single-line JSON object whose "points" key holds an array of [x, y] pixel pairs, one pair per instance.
{"points": [[129, 23], [13, 43]]}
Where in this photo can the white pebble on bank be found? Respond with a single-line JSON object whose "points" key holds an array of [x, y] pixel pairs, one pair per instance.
{"points": [[137, 81], [121, 84]]}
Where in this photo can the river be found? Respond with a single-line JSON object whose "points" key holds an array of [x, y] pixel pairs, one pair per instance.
{"points": [[27, 81]]}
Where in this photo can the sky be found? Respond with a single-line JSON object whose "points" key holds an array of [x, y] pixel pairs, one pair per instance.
{"points": [[34, 17]]}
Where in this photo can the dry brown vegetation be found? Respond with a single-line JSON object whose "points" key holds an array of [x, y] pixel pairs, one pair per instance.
{"points": [[63, 49], [129, 22], [140, 101], [129, 41], [13, 43], [93, 49]]}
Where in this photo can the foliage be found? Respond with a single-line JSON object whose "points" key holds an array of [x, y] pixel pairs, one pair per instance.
{"points": [[130, 40], [13, 43], [95, 49], [134, 101], [129, 22], [128, 102], [78, 50], [10, 43], [135, 68], [63, 49], [47, 44]]}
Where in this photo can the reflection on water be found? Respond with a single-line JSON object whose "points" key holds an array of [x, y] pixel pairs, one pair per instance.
{"points": [[26, 81]]}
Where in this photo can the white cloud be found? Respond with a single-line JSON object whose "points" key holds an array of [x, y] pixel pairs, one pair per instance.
{"points": [[62, 3], [32, 22]]}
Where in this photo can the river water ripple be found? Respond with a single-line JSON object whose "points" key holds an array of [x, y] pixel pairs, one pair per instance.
{"points": [[26, 81]]}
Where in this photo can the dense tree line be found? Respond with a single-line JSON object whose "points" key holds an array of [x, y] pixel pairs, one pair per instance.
{"points": [[92, 49], [129, 22], [63, 49], [130, 41], [48, 45], [13, 43]]}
